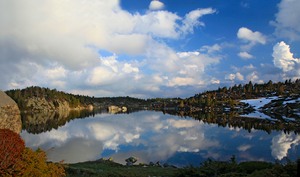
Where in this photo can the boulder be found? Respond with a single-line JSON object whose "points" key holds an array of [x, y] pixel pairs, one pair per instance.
{"points": [[10, 117], [90, 107], [115, 109], [124, 109]]}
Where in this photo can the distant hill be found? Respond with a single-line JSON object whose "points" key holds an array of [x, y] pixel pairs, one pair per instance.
{"points": [[248, 91], [222, 97], [36, 98], [39, 98]]}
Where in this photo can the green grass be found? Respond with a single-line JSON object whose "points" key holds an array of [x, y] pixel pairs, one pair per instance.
{"points": [[106, 168]]}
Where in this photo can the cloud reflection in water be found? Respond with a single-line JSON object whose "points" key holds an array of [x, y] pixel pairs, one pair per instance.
{"points": [[282, 143], [150, 136]]}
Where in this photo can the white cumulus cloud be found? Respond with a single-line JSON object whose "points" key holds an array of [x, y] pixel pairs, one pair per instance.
{"points": [[284, 59], [244, 147], [236, 76], [254, 77], [156, 5], [250, 38], [215, 81], [248, 35], [287, 19], [157, 23], [230, 77], [245, 55], [239, 76], [181, 68], [192, 19], [58, 44]]}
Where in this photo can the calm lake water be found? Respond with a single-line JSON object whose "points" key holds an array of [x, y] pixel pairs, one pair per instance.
{"points": [[153, 136]]}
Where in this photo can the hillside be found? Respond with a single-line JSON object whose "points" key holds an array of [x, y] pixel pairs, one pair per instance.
{"points": [[229, 99], [38, 99], [222, 99], [247, 91]]}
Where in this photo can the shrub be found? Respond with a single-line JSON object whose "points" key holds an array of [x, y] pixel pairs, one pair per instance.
{"points": [[16, 160], [33, 163], [11, 148], [250, 167]]}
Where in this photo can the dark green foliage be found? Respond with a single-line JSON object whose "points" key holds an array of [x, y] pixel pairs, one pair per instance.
{"points": [[206, 169], [107, 168], [131, 160], [213, 168], [232, 169], [250, 167], [190, 172]]}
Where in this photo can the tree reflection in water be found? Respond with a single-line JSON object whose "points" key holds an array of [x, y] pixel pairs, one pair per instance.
{"points": [[153, 136], [232, 119], [46, 121]]}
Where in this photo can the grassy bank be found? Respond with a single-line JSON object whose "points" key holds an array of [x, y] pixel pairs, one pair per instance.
{"points": [[106, 168]]}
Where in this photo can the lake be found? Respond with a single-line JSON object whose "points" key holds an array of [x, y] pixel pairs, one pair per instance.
{"points": [[154, 136]]}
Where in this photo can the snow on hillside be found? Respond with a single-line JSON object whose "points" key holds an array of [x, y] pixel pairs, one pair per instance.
{"points": [[257, 104], [292, 101]]}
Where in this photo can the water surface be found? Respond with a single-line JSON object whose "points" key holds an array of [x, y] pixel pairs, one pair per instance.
{"points": [[153, 136]]}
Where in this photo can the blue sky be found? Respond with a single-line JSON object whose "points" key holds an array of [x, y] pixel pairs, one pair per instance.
{"points": [[145, 49]]}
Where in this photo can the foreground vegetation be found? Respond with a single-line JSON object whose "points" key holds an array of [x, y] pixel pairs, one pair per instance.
{"points": [[105, 168], [17, 160]]}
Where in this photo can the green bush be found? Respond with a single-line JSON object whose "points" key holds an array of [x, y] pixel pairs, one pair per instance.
{"points": [[250, 167]]}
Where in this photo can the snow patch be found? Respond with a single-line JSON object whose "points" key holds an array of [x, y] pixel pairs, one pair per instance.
{"points": [[257, 104], [292, 101]]}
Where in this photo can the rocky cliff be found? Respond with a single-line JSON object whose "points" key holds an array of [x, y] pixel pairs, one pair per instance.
{"points": [[36, 104], [42, 105], [10, 117]]}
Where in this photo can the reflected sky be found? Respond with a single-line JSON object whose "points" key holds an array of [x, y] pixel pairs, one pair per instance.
{"points": [[154, 136]]}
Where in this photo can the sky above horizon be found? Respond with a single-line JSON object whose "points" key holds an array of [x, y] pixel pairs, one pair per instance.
{"points": [[147, 48]]}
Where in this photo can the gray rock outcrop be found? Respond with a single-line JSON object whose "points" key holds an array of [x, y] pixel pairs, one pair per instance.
{"points": [[10, 117]]}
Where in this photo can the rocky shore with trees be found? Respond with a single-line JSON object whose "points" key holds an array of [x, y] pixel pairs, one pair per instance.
{"points": [[41, 107], [15, 158], [223, 106]]}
